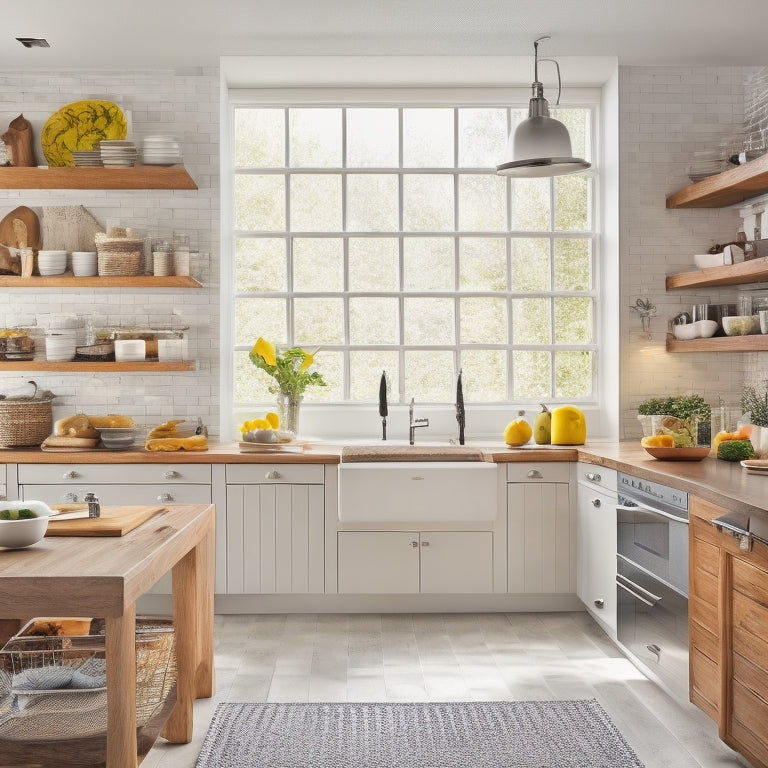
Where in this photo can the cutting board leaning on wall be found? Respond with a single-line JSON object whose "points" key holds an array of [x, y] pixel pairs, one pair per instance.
{"points": [[18, 229]]}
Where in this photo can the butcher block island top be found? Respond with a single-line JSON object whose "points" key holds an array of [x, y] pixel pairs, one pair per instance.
{"points": [[102, 577]]}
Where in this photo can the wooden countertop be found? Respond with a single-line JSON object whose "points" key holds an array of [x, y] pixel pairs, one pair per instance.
{"points": [[724, 483]]}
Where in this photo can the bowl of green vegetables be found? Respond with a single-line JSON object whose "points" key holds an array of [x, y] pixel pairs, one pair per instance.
{"points": [[23, 523]]}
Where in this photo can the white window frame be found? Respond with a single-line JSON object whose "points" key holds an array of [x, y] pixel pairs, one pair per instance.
{"points": [[354, 420]]}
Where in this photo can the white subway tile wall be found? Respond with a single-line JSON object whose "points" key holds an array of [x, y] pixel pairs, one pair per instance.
{"points": [[666, 115], [184, 105]]}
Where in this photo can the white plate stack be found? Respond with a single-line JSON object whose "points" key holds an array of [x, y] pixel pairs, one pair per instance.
{"points": [[60, 345], [89, 159], [115, 153], [160, 150]]}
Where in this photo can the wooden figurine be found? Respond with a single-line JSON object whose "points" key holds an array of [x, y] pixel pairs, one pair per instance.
{"points": [[18, 143]]}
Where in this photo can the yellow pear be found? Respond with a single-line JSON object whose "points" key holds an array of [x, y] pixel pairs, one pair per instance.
{"points": [[542, 426]]}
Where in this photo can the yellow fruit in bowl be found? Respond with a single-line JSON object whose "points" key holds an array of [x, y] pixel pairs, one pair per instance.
{"points": [[517, 432], [273, 419], [658, 441]]}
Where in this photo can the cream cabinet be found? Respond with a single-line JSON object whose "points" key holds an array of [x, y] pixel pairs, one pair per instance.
{"points": [[275, 529], [540, 528], [411, 562], [596, 543]]}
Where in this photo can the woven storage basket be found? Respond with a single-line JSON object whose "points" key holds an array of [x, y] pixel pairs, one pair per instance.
{"points": [[25, 422], [119, 256]]}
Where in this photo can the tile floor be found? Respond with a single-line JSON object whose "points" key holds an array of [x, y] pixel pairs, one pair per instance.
{"points": [[444, 657]]}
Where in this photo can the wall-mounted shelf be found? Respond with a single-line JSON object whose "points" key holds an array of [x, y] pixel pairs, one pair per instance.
{"points": [[70, 281], [147, 366], [138, 177], [750, 343], [752, 271], [727, 188]]}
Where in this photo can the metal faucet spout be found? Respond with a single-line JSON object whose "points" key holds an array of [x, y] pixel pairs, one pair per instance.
{"points": [[414, 424]]}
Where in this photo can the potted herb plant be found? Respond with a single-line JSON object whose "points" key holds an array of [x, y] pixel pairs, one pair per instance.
{"points": [[683, 407], [754, 405]]}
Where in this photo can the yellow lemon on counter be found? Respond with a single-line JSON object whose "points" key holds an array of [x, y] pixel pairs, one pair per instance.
{"points": [[658, 441], [517, 432]]}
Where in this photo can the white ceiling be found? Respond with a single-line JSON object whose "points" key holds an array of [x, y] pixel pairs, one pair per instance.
{"points": [[177, 34]]}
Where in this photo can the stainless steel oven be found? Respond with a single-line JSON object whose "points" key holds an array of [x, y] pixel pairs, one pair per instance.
{"points": [[652, 579]]}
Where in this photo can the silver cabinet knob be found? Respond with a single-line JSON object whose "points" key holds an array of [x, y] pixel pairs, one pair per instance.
{"points": [[171, 474], [166, 498], [600, 603], [414, 543], [534, 473], [71, 496], [424, 543], [593, 477], [596, 502], [273, 474], [71, 475]]}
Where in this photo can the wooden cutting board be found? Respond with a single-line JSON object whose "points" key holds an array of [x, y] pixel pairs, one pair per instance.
{"points": [[20, 229], [114, 521]]}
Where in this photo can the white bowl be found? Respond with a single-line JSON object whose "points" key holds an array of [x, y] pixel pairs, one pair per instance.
{"points": [[685, 332], [705, 328], [741, 325], [84, 263], [705, 260], [118, 438], [130, 350], [15, 534]]}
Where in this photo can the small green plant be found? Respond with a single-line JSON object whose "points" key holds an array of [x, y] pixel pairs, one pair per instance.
{"points": [[756, 404], [681, 407]]}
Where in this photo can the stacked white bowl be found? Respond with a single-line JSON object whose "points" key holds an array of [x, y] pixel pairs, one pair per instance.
{"points": [[60, 346], [52, 262], [84, 263]]}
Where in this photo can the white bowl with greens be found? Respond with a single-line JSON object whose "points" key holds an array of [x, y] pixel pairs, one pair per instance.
{"points": [[23, 523]]}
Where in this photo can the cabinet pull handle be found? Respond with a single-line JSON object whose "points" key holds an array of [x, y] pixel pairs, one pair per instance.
{"points": [[593, 477], [424, 543], [414, 543], [165, 498], [600, 603], [596, 503], [171, 474], [273, 474], [71, 496], [71, 475], [534, 473]]}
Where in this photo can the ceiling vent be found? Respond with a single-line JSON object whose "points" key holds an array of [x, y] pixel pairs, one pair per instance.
{"points": [[33, 42]]}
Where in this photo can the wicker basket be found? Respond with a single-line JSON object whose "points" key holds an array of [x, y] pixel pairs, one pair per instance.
{"points": [[119, 256], [39, 722], [25, 421]]}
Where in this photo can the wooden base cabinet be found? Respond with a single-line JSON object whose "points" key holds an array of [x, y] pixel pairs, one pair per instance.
{"points": [[729, 632]]}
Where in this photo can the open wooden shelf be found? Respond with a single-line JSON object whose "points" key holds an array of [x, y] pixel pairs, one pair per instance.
{"points": [[727, 188], [138, 177], [145, 366], [68, 280], [752, 271], [751, 343]]}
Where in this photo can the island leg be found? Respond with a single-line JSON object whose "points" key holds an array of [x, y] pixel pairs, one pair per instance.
{"points": [[120, 645]]}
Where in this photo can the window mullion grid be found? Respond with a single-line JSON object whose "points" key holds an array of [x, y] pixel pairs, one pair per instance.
{"points": [[346, 362], [456, 219], [510, 329], [401, 253], [289, 322]]}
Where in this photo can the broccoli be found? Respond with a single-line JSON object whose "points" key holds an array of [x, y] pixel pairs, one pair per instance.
{"points": [[735, 450], [17, 514]]}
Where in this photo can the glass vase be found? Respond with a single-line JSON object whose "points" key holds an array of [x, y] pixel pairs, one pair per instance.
{"points": [[288, 407]]}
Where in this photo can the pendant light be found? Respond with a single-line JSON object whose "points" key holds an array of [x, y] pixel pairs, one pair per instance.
{"points": [[540, 145]]}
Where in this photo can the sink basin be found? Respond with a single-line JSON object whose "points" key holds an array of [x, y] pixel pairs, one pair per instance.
{"points": [[402, 450], [415, 491]]}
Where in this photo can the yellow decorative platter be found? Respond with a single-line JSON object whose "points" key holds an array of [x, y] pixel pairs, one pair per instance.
{"points": [[79, 127]]}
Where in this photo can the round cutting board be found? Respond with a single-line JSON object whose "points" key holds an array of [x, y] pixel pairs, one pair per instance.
{"points": [[80, 126], [20, 229]]}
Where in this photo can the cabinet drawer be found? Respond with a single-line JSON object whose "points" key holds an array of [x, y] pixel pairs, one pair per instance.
{"points": [[248, 474], [119, 494], [593, 474], [114, 473], [751, 581], [750, 622], [539, 472]]}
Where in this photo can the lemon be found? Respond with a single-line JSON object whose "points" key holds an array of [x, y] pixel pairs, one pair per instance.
{"points": [[517, 432], [273, 419], [658, 441]]}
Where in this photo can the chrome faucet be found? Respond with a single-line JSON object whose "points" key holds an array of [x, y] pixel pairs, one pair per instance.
{"points": [[413, 424]]}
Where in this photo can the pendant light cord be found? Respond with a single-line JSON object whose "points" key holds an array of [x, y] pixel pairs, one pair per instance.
{"points": [[536, 67]]}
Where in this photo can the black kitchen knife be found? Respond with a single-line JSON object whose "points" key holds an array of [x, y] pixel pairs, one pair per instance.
{"points": [[461, 415], [383, 410]]}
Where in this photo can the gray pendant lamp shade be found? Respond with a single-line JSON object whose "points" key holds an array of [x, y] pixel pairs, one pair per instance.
{"points": [[540, 145]]}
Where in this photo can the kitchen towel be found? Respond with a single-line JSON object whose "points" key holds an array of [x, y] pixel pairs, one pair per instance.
{"points": [[490, 734]]}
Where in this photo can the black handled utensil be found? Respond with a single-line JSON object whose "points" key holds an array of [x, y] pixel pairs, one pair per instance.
{"points": [[383, 410], [461, 415]]}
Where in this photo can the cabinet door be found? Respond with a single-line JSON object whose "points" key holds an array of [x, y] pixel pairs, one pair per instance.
{"points": [[456, 562], [378, 562], [275, 539], [596, 553], [539, 537]]}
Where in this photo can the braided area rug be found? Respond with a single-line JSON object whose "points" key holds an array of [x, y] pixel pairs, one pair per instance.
{"points": [[491, 734]]}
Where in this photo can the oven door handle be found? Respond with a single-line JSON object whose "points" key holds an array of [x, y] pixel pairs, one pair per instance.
{"points": [[643, 595], [642, 508]]}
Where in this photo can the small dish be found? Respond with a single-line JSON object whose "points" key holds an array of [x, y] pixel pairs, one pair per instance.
{"points": [[705, 329], [118, 438], [685, 332], [708, 260], [741, 325], [17, 534], [678, 454]]}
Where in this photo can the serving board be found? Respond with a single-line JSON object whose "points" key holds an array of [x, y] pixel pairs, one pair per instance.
{"points": [[114, 521]]}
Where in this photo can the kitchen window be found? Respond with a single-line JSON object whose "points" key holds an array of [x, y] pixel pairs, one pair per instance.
{"points": [[382, 234]]}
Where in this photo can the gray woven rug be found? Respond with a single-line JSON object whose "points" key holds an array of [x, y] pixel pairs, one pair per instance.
{"points": [[497, 734]]}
